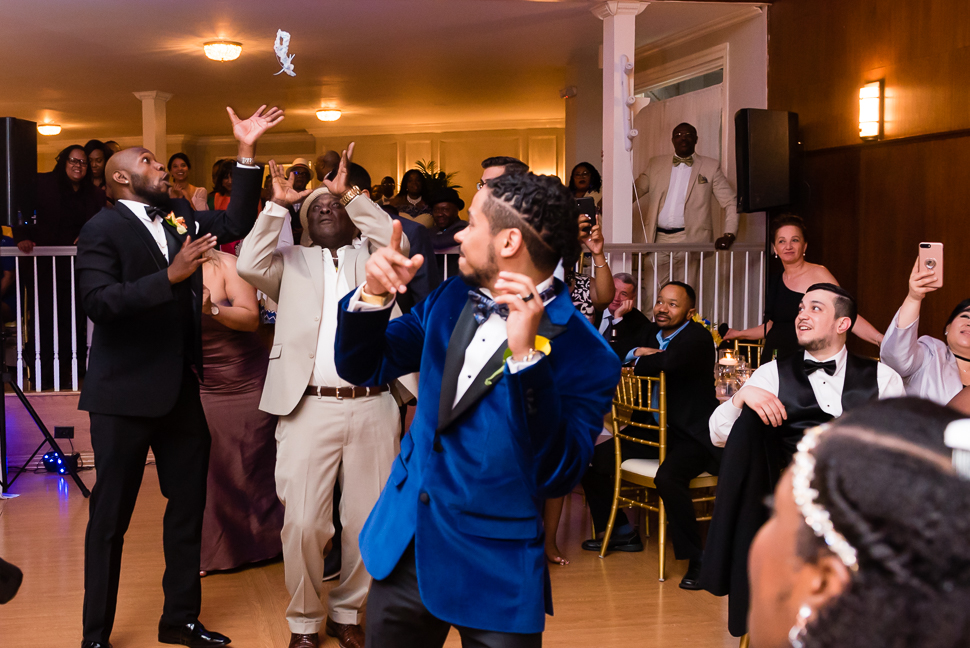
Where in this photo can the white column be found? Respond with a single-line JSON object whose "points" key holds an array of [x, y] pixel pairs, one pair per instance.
{"points": [[619, 42], [153, 128]]}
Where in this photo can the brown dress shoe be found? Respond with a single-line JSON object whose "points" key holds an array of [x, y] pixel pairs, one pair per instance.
{"points": [[349, 636], [304, 641]]}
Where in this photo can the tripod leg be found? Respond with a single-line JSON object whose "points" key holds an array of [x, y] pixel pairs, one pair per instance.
{"points": [[48, 437]]}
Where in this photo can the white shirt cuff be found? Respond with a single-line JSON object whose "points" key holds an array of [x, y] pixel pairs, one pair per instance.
{"points": [[246, 166], [274, 210], [722, 420], [515, 366], [358, 305]]}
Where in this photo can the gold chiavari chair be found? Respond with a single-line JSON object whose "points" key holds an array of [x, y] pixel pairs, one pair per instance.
{"points": [[634, 394], [751, 350]]}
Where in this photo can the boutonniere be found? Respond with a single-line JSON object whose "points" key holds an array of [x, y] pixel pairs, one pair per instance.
{"points": [[542, 345], [701, 180], [177, 222]]}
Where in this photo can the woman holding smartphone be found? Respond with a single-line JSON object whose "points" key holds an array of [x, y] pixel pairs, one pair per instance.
{"points": [[933, 369]]}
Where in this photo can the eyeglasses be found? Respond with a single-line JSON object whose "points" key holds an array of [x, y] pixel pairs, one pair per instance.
{"points": [[76, 162], [581, 174]]}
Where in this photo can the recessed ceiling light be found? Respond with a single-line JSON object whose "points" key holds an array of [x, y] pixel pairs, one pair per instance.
{"points": [[48, 129], [328, 115], [222, 50]]}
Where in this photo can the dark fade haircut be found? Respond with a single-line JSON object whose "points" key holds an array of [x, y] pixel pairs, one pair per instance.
{"points": [[511, 164], [787, 220], [845, 305], [691, 295], [546, 208], [883, 473], [357, 176]]}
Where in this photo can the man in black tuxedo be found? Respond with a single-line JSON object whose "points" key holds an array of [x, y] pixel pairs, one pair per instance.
{"points": [[684, 350], [622, 324], [140, 280]]}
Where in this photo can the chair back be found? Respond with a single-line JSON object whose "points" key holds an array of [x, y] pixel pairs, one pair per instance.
{"points": [[635, 394], [751, 350]]}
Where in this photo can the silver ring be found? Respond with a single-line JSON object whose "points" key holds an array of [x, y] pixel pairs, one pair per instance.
{"points": [[528, 297]]}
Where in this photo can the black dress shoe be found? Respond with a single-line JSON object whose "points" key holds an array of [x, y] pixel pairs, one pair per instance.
{"points": [[193, 635], [630, 542], [691, 580], [94, 644]]}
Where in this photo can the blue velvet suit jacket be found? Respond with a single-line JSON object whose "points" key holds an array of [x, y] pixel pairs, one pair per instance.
{"points": [[470, 482]]}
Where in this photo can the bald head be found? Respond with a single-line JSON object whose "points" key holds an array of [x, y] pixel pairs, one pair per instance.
{"points": [[135, 174]]}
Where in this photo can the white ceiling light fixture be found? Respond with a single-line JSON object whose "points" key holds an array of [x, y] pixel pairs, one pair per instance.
{"points": [[222, 50], [328, 115], [49, 129]]}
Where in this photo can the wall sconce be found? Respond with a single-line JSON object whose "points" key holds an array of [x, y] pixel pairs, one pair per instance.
{"points": [[871, 110], [328, 115], [222, 50], [49, 129]]}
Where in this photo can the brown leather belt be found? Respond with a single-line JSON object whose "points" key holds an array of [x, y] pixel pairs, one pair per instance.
{"points": [[341, 393]]}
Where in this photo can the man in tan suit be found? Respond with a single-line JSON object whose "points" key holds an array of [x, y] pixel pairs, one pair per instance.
{"points": [[328, 429], [674, 203]]}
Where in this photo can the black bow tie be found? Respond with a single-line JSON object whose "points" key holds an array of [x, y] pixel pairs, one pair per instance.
{"points": [[155, 213], [811, 367], [485, 306]]}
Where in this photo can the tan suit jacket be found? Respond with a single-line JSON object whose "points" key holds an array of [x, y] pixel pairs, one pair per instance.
{"points": [[293, 277], [706, 181]]}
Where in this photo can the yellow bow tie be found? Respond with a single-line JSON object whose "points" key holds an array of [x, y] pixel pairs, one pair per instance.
{"points": [[689, 161]]}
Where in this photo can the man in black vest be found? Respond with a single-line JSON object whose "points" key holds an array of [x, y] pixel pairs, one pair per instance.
{"points": [[684, 350], [139, 269], [761, 425]]}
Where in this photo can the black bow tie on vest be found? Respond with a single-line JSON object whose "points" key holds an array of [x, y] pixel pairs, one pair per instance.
{"points": [[689, 160], [485, 306], [811, 367], [155, 212]]}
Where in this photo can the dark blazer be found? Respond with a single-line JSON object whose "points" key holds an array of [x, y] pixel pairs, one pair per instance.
{"points": [[146, 329], [628, 332], [427, 278], [689, 365], [469, 484]]}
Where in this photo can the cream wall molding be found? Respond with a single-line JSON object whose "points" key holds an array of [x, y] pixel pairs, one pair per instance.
{"points": [[441, 127], [687, 35]]}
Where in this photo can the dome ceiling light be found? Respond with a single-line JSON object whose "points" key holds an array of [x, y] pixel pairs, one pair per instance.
{"points": [[49, 129], [222, 50], [328, 115]]}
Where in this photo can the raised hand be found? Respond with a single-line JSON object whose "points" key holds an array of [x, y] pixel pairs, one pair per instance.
{"points": [[340, 183], [624, 308], [388, 269], [919, 281], [519, 293], [247, 131], [190, 257], [283, 192], [765, 404], [594, 242]]}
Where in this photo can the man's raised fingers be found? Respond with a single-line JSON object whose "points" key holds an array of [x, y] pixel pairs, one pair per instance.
{"points": [[396, 233]]}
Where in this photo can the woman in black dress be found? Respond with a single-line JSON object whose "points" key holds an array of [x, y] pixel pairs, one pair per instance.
{"points": [[785, 292]]}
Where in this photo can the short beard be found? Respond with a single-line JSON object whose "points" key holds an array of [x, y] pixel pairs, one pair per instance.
{"points": [[481, 277], [152, 196], [816, 345]]}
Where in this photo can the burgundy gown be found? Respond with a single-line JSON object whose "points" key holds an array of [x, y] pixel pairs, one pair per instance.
{"points": [[243, 516]]}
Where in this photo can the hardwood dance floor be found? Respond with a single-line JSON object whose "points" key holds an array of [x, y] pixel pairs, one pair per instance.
{"points": [[599, 603]]}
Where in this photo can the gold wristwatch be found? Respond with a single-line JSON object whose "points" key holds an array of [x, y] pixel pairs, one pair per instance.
{"points": [[347, 196]]}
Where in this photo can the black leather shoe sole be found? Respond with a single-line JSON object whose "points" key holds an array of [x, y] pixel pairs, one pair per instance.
{"points": [[690, 583], [630, 544], [197, 638]]}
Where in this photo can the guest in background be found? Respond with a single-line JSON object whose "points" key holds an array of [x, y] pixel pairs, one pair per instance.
{"points": [[622, 323], [585, 182], [934, 369], [684, 351], [445, 208], [210, 199], [112, 146], [410, 200], [785, 292], [590, 294], [299, 176], [66, 200], [98, 156], [496, 166], [221, 196], [428, 277], [386, 194], [325, 164], [243, 516], [178, 168], [867, 541]]}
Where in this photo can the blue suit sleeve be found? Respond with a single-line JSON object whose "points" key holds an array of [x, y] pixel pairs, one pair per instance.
{"points": [[556, 420]]}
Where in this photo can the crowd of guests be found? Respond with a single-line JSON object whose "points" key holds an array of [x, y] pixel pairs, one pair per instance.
{"points": [[869, 517]]}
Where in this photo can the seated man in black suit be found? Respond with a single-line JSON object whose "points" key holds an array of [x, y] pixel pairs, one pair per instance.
{"points": [[622, 324], [685, 351]]}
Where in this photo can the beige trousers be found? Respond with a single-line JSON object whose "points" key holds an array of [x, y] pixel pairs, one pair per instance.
{"points": [[679, 258], [323, 440]]}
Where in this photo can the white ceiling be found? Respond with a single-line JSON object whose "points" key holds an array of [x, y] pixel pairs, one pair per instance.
{"points": [[383, 62]]}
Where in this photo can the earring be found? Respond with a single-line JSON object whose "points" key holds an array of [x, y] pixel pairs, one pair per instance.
{"points": [[796, 636]]}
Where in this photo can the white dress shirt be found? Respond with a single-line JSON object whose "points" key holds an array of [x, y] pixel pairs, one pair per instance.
{"points": [[491, 334], [334, 288], [672, 215], [828, 391], [154, 226], [928, 367]]}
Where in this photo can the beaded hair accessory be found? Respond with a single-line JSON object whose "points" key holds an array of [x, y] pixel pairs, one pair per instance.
{"points": [[816, 517]]}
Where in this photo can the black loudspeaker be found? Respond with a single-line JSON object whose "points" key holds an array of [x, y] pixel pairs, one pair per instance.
{"points": [[18, 171], [767, 141]]}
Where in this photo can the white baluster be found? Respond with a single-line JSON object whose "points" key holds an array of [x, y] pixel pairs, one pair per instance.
{"points": [[686, 266], [670, 266], [745, 290], [37, 376], [20, 330], [74, 380], [445, 266], [656, 279], [57, 339], [639, 281], [761, 286], [700, 287], [731, 292], [717, 285]]}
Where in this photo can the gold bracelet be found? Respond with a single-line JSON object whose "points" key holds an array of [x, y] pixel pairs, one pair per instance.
{"points": [[347, 196]]}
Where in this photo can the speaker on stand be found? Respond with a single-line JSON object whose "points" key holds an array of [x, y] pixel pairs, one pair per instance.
{"points": [[18, 171]]}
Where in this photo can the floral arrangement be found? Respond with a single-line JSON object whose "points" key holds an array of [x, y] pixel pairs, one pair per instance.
{"points": [[706, 323], [177, 222]]}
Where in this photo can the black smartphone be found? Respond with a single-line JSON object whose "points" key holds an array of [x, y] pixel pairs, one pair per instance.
{"points": [[333, 174], [587, 206]]}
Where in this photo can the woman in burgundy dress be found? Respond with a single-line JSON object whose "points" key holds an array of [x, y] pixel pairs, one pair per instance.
{"points": [[243, 516]]}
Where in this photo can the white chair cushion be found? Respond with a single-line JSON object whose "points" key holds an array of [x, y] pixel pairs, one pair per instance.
{"points": [[647, 467]]}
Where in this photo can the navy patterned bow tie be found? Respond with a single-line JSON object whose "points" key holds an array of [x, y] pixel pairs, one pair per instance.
{"points": [[485, 306], [811, 367]]}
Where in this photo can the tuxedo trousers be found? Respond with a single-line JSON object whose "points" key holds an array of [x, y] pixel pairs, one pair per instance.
{"points": [[180, 443], [686, 459], [671, 266], [397, 618], [325, 441]]}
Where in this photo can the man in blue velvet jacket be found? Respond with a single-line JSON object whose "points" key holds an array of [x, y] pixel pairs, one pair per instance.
{"points": [[512, 395]]}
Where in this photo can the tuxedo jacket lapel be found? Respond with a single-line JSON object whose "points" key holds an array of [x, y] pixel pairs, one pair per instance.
{"points": [[142, 233], [695, 171], [174, 242], [461, 337]]}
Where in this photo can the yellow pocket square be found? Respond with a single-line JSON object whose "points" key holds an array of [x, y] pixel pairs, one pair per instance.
{"points": [[701, 180]]}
